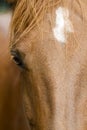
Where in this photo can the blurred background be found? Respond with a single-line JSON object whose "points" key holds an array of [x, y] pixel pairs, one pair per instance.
{"points": [[4, 5], [5, 16]]}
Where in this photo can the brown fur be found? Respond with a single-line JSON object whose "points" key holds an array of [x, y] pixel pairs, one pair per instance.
{"points": [[55, 82]]}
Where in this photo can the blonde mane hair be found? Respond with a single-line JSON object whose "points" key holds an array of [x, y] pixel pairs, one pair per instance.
{"points": [[28, 13]]}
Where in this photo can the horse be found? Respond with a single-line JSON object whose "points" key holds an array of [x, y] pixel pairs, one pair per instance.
{"points": [[48, 42]]}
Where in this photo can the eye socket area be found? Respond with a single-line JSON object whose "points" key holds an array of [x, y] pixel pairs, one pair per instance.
{"points": [[18, 58]]}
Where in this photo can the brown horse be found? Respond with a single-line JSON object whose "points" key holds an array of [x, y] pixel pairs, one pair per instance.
{"points": [[49, 44]]}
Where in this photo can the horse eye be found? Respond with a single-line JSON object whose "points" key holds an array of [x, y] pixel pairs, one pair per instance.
{"points": [[17, 59]]}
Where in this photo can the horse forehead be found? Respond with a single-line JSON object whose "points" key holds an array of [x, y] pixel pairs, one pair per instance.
{"points": [[63, 25]]}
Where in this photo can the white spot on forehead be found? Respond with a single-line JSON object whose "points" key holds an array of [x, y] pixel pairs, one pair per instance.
{"points": [[63, 25]]}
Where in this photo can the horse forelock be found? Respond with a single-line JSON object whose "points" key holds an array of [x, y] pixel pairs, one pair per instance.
{"points": [[29, 13]]}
